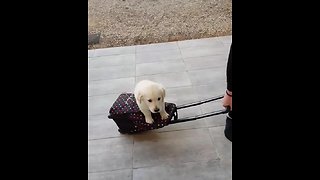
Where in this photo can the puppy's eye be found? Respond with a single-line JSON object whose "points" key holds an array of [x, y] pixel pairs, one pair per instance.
{"points": [[150, 100], [159, 99]]}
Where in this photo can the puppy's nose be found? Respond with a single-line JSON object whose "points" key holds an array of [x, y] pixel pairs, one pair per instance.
{"points": [[156, 110]]}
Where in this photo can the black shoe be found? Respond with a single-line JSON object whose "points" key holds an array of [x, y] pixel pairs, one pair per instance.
{"points": [[228, 127]]}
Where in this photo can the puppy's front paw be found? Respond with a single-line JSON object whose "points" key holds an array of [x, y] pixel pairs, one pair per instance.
{"points": [[164, 115], [149, 120]]}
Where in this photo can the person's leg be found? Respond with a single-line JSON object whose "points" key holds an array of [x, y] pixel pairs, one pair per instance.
{"points": [[228, 127]]}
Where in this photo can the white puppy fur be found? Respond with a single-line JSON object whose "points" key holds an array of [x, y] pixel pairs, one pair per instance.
{"points": [[150, 98]]}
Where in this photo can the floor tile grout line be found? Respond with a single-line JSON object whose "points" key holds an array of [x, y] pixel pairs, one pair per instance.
{"points": [[97, 114], [168, 88], [213, 142], [179, 163], [89, 100], [103, 171], [157, 50], [160, 60], [114, 54], [105, 138], [175, 130], [112, 93], [164, 61], [186, 70], [160, 73], [218, 38], [135, 82], [193, 85], [97, 58], [169, 60], [135, 66], [184, 63], [203, 56], [215, 49], [150, 166], [132, 157], [194, 128], [110, 78], [110, 66], [123, 77]]}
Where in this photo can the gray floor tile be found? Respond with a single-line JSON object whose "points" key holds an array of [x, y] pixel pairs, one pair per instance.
{"points": [[110, 154], [215, 121], [111, 72], [224, 39], [223, 145], [158, 56], [100, 105], [125, 174], [114, 60], [169, 79], [224, 148], [114, 86], [160, 67], [227, 44], [211, 90], [101, 126], [207, 76], [114, 51], [209, 170], [206, 62], [181, 95], [203, 51], [157, 47], [90, 53], [194, 43], [190, 150], [152, 149]]}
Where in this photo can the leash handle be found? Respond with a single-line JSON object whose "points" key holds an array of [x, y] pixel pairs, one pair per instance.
{"points": [[192, 118], [200, 102]]}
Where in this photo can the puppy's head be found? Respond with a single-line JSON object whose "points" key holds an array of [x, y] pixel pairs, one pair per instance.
{"points": [[152, 96]]}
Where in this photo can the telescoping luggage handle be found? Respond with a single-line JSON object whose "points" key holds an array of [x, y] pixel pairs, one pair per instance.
{"points": [[222, 111]]}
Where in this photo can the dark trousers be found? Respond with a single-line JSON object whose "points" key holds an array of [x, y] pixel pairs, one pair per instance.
{"points": [[228, 127]]}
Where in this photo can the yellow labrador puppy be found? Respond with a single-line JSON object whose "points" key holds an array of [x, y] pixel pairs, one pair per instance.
{"points": [[150, 98]]}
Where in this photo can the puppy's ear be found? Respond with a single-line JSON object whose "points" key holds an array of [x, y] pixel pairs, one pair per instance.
{"points": [[139, 97], [163, 91]]}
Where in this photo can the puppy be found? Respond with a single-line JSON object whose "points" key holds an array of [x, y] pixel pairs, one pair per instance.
{"points": [[150, 98]]}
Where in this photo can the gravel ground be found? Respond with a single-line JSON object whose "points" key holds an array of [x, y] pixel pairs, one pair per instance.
{"points": [[132, 22]]}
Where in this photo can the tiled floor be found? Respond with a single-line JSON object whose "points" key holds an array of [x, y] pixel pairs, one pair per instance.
{"points": [[190, 70]]}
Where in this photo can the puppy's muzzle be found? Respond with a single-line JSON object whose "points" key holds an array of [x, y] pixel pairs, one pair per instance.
{"points": [[156, 110]]}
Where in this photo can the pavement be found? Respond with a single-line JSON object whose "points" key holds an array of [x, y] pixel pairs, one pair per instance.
{"points": [[190, 70]]}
